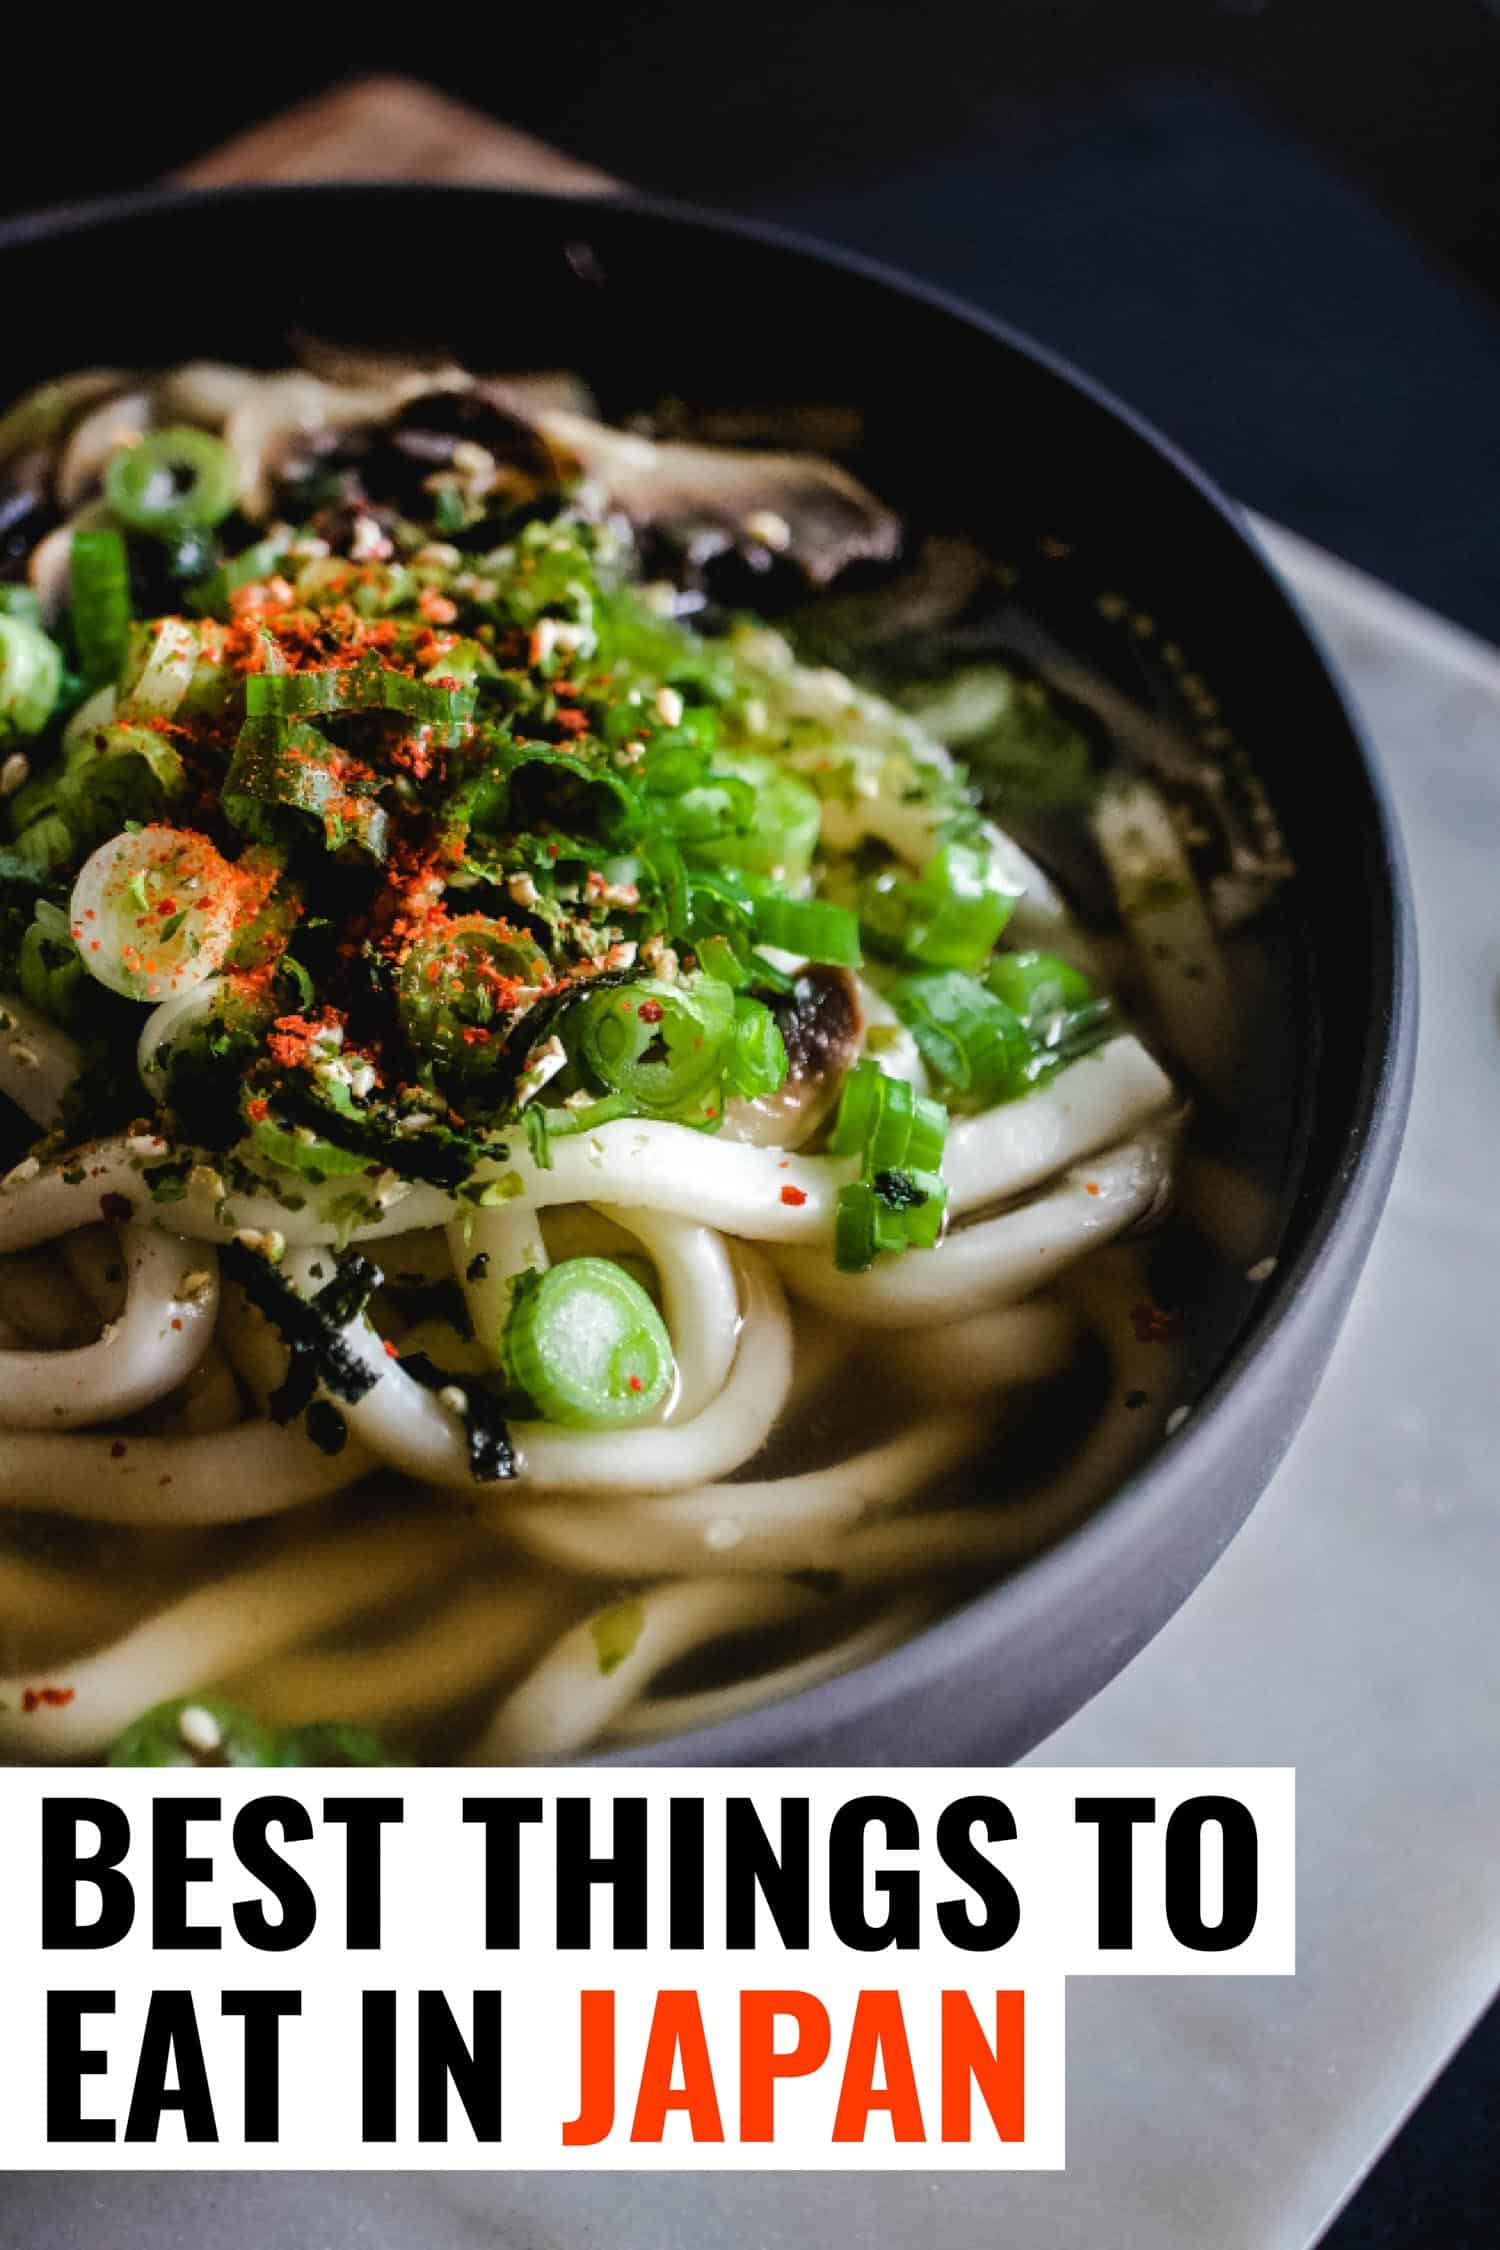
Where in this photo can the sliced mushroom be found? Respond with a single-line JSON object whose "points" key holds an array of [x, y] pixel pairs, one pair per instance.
{"points": [[287, 413], [94, 442], [360, 367], [822, 1025], [495, 449], [763, 505], [803, 425], [528, 393], [204, 390]]}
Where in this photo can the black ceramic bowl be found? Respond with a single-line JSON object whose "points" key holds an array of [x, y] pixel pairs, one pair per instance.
{"points": [[968, 423]]}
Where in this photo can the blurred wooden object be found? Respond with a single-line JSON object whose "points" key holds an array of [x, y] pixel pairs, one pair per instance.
{"points": [[391, 129]]}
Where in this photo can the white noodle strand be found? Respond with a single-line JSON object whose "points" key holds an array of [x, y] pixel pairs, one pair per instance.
{"points": [[172, 1300], [221, 1628], [576, 1692], [996, 1261], [38, 1063]]}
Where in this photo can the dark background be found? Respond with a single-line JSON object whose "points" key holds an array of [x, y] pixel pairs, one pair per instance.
{"points": [[1274, 225]]}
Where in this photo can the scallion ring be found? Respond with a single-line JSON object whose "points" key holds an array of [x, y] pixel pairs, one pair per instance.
{"points": [[173, 481], [587, 1346]]}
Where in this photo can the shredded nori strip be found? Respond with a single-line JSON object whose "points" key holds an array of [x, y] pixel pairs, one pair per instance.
{"points": [[306, 1323], [327, 1427], [436, 1300], [492, 1457], [898, 1191], [355, 1281], [436, 1155], [298, 1388]]}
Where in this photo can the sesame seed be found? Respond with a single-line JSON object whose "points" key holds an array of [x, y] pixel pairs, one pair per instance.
{"points": [[456, 1401], [1175, 1419], [770, 529], [200, 1730], [1262, 1271], [723, 1534], [15, 773], [669, 706]]}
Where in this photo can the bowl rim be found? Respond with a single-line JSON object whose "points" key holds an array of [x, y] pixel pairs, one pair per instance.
{"points": [[1305, 1290]]}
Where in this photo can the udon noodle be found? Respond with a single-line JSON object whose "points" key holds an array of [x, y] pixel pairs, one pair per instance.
{"points": [[285, 1432]]}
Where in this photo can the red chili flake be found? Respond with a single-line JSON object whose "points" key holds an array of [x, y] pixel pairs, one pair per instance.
{"points": [[1153, 1323], [116, 1207], [257, 1109], [650, 1011], [636, 1384], [573, 722], [55, 1698], [390, 1349], [793, 1195], [117, 1450], [176, 1323], [1091, 1187]]}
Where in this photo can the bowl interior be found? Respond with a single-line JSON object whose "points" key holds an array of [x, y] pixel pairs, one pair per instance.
{"points": [[966, 428]]}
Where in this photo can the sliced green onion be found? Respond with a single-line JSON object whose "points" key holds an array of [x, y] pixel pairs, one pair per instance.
{"points": [[615, 1631], [154, 912], [46, 844], [913, 1204], [855, 1234], [30, 676], [210, 597], [892, 1131], [894, 1211], [948, 917], [781, 836], [544, 1126], [1037, 985], [367, 685], [173, 481], [48, 970], [305, 1152], [119, 773], [99, 583], [279, 763], [463, 986], [194, 1730], [663, 1045], [975, 1044], [886, 1123], [587, 1345], [1022, 749], [159, 668], [812, 927], [332, 1742], [756, 1063]]}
